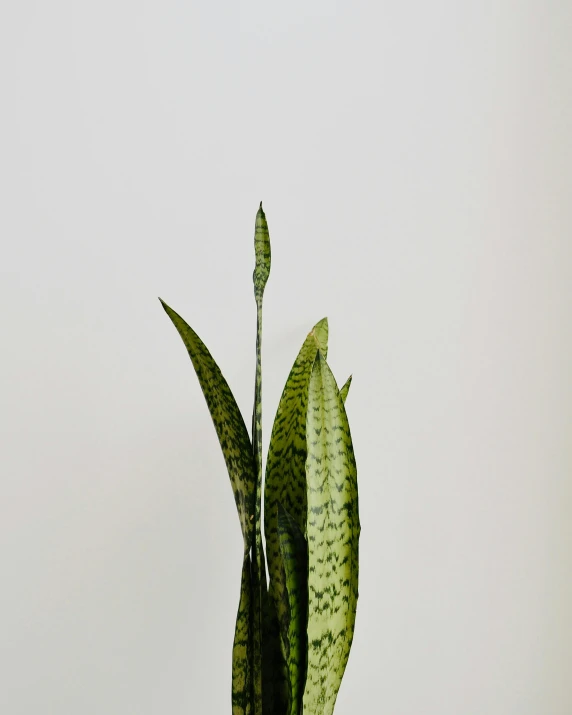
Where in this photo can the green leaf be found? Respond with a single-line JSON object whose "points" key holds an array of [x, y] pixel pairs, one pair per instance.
{"points": [[262, 253], [242, 694], [260, 595], [333, 533], [285, 466], [286, 481], [294, 553], [345, 389], [228, 422]]}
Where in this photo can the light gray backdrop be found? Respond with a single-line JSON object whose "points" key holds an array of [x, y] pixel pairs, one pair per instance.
{"points": [[414, 160]]}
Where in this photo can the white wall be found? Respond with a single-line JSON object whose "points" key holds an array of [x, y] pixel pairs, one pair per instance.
{"points": [[414, 160]]}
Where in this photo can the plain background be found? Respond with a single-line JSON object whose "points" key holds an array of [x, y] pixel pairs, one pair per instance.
{"points": [[415, 163]]}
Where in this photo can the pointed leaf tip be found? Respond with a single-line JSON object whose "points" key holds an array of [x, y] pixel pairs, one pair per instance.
{"points": [[320, 334], [262, 253], [345, 388]]}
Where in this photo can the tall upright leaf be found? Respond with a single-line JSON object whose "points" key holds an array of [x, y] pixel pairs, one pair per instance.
{"points": [[285, 466], [286, 483], [333, 533], [260, 277]]}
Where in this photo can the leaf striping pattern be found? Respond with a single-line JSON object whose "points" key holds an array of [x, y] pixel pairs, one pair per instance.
{"points": [[333, 532]]}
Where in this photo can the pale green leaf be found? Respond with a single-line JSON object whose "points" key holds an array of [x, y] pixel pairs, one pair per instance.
{"points": [[333, 533]]}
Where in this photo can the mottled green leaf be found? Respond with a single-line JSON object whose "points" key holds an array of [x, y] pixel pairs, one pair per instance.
{"points": [[333, 533], [260, 595], [345, 389], [262, 253], [286, 480], [294, 553], [242, 686], [285, 466], [228, 422]]}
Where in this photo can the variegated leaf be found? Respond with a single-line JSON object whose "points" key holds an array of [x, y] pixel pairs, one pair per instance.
{"points": [[285, 466], [228, 422], [242, 685], [294, 553], [333, 534]]}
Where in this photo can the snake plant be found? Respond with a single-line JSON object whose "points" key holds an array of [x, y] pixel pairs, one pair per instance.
{"points": [[293, 630]]}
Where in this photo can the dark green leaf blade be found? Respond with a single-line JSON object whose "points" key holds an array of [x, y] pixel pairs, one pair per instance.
{"points": [[294, 553], [333, 533], [274, 696], [228, 422], [242, 686]]}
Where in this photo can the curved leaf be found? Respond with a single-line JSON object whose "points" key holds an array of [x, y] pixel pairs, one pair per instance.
{"points": [[333, 533], [228, 422]]}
